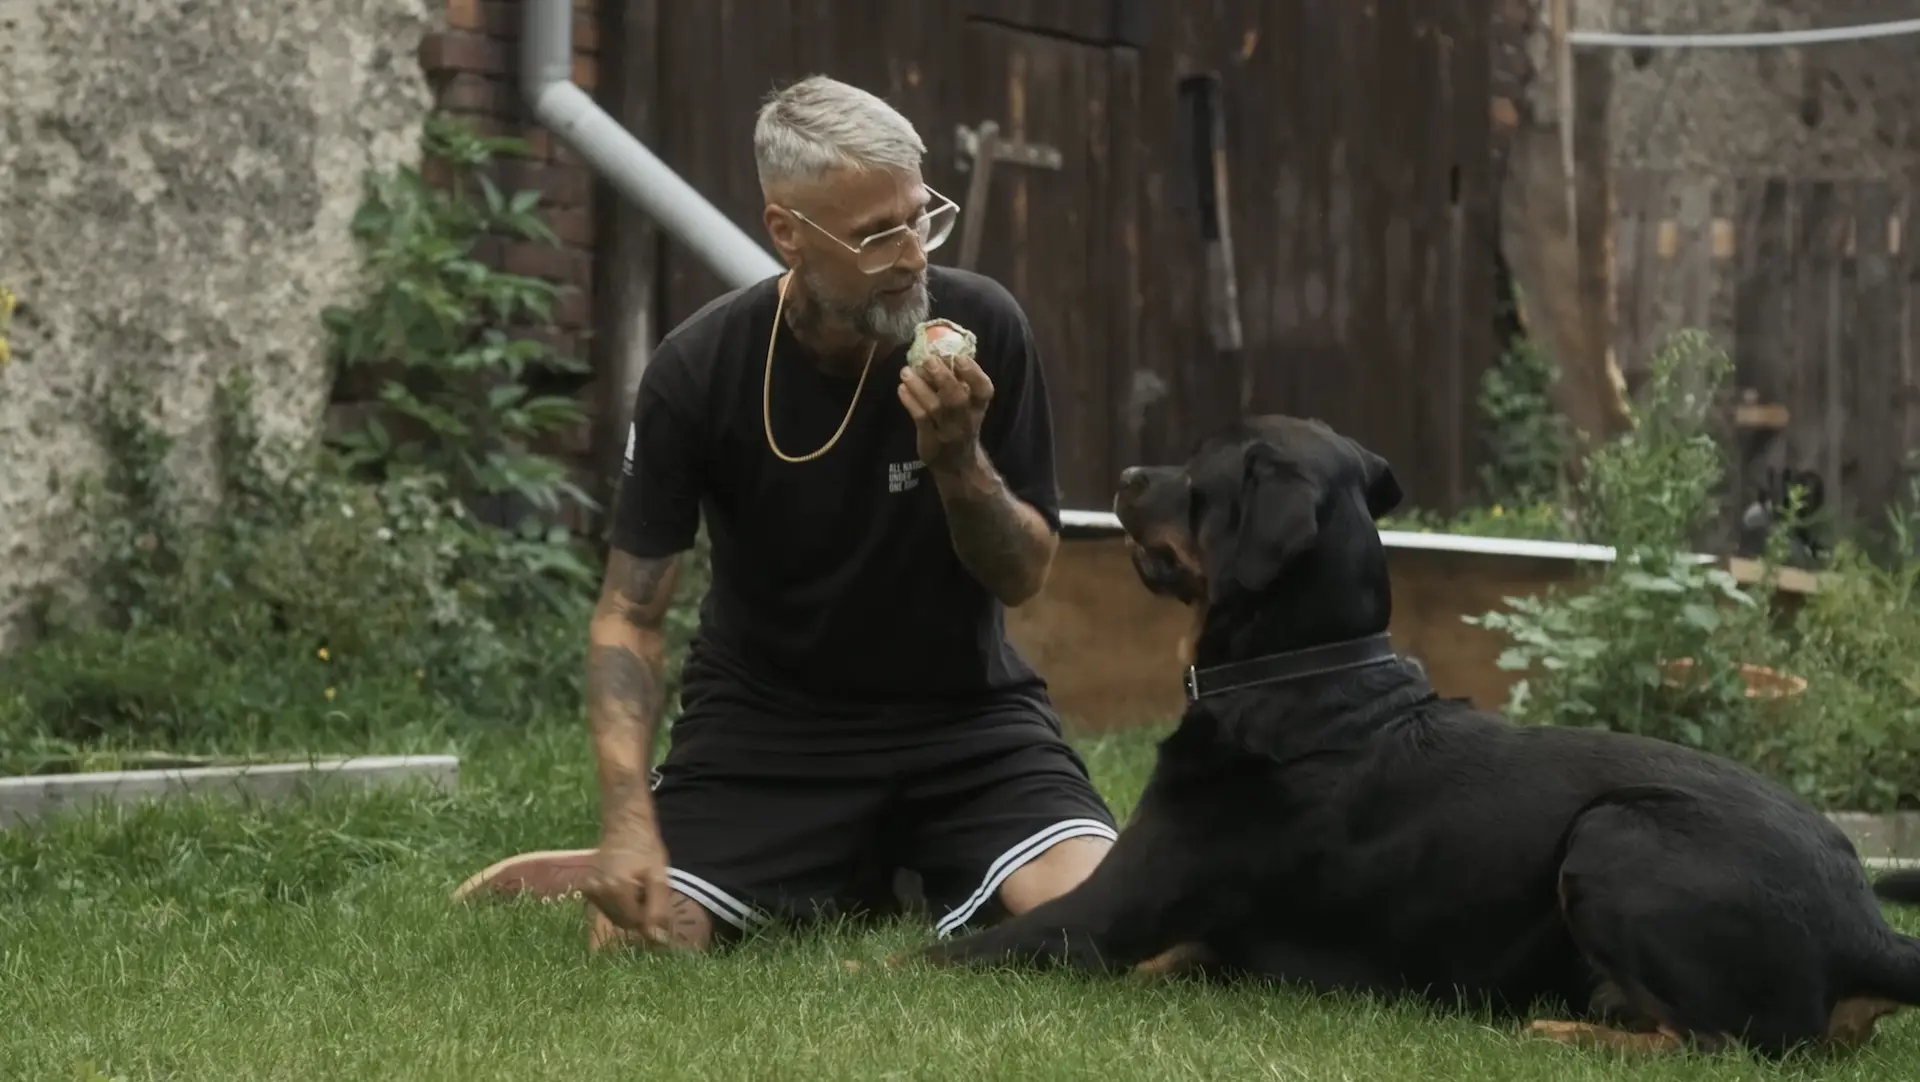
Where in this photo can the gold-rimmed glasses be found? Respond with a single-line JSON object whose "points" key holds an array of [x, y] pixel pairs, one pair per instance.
{"points": [[882, 250]]}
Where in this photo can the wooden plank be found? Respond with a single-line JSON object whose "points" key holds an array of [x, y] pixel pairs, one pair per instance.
{"points": [[1834, 384], [1433, 355], [1172, 334], [1653, 277], [1627, 259], [1763, 334], [1816, 270], [1472, 228], [1396, 126], [1873, 441], [1692, 263], [1909, 344], [1723, 280], [627, 250], [1081, 23], [1045, 236], [1667, 300], [691, 35], [1132, 389], [1362, 204]]}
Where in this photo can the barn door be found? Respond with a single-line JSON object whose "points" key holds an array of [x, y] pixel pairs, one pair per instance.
{"points": [[1030, 154]]}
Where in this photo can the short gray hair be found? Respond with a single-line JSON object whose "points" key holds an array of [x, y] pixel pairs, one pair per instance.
{"points": [[819, 124]]}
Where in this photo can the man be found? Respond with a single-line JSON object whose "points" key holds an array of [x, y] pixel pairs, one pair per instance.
{"points": [[850, 704]]}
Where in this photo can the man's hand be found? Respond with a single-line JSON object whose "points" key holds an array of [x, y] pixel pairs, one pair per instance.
{"points": [[947, 406], [626, 682], [629, 885]]}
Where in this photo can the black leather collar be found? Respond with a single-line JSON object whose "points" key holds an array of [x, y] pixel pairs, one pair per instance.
{"points": [[1292, 665]]}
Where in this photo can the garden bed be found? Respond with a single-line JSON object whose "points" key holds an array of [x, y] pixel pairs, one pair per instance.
{"points": [[1110, 651], [31, 798]]}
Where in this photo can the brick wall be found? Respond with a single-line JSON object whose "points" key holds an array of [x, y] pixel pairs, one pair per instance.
{"points": [[473, 67]]}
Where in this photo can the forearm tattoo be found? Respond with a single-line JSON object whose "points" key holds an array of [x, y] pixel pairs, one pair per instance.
{"points": [[1001, 540], [626, 666]]}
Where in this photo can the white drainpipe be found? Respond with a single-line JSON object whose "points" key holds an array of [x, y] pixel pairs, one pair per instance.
{"points": [[546, 78]]}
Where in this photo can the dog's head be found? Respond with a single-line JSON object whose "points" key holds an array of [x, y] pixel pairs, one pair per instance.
{"points": [[1270, 522]]}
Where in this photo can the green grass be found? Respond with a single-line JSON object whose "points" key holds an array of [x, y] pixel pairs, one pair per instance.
{"points": [[199, 941]]}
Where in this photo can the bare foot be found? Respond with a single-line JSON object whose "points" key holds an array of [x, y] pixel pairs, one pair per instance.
{"points": [[1171, 963]]}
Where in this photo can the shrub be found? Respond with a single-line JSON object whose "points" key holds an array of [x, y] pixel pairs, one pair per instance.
{"points": [[1858, 639], [1603, 654], [311, 607], [335, 596], [441, 324], [1527, 440]]}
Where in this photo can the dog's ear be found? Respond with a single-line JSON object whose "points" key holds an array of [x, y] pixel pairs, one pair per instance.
{"points": [[1383, 488], [1278, 520]]}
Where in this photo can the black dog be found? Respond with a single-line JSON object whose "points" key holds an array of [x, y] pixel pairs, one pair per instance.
{"points": [[1321, 816]]}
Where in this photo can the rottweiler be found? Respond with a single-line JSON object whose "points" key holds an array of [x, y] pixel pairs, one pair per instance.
{"points": [[1322, 816]]}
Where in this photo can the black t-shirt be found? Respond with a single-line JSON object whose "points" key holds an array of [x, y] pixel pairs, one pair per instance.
{"points": [[835, 583]]}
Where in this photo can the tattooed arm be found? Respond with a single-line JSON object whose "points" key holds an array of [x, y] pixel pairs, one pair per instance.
{"points": [[626, 688], [999, 537], [626, 664]]}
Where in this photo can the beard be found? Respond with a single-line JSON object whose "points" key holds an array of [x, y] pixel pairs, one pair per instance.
{"points": [[887, 317]]}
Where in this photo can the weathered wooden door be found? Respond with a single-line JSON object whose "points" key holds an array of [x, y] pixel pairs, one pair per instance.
{"points": [[1035, 117]]}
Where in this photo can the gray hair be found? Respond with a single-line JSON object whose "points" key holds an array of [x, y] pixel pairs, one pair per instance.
{"points": [[819, 124]]}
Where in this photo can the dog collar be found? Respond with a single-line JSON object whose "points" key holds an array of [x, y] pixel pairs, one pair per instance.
{"points": [[1292, 665]]}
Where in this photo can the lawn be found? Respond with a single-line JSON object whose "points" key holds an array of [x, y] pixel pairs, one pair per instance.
{"points": [[207, 943]]}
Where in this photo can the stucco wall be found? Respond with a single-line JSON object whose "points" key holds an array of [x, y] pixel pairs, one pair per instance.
{"points": [[1844, 110], [178, 179]]}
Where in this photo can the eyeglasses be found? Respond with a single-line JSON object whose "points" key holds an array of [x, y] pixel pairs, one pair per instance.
{"points": [[882, 250]]}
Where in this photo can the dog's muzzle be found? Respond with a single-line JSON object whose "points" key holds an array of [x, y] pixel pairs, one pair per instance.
{"points": [[1161, 572]]}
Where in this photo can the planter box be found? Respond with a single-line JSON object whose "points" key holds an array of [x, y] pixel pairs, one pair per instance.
{"points": [[1110, 651], [37, 797]]}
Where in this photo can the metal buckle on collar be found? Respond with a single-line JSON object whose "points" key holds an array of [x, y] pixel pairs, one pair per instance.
{"points": [[1191, 681]]}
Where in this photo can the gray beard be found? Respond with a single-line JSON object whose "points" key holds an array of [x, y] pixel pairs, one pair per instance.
{"points": [[875, 318]]}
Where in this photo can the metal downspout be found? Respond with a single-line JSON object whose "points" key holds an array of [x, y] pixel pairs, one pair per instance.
{"points": [[546, 78]]}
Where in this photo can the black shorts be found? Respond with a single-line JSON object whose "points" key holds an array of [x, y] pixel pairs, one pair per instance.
{"points": [[760, 829]]}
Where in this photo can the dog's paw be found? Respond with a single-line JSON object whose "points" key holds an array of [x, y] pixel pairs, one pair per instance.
{"points": [[1587, 1035], [1565, 1032]]}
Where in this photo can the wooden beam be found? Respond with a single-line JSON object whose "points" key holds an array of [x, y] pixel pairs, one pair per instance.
{"points": [[626, 309]]}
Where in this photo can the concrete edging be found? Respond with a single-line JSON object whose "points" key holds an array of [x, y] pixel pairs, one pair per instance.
{"points": [[34, 798], [1891, 839]]}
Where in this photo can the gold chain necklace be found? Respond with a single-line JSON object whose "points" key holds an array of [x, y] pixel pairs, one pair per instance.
{"points": [[766, 388]]}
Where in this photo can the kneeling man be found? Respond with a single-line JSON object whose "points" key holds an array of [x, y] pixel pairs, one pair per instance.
{"points": [[850, 704]]}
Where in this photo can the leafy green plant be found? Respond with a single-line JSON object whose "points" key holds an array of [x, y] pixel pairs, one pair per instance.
{"points": [[1527, 439], [285, 608], [133, 513], [1656, 484], [1858, 639], [1654, 642], [439, 321]]}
